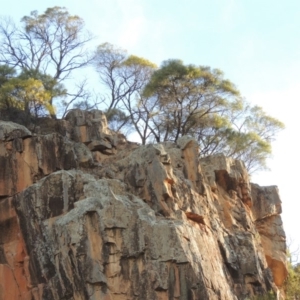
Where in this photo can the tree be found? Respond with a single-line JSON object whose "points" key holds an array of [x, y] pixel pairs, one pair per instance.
{"points": [[124, 76], [198, 101], [292, 284], [254, 134], [108, 63], [51, 43], [50, 84], [121, 74], [187, 95], [144, 117], [23, 93], [245, 134], [117, 119], [6, 73]]}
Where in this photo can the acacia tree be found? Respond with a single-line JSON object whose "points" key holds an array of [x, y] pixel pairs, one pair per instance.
{"points": [[52, 43]]}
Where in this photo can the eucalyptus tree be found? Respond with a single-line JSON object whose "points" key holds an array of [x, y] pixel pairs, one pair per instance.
{"points": [[188, 94], [124, 77], [52, 43], [198, 101], [23, 92]]}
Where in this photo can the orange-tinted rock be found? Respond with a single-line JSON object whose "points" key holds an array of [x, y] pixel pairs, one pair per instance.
{"points": [[32, 158], [14, 273], [266, 211], [135, 222], [190, 153]]}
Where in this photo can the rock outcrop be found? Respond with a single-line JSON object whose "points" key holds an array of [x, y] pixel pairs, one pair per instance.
{"points": [[85, 214], [266, 211]]}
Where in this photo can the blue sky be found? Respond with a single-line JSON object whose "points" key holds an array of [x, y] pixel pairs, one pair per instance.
{"points": [[256, 43]]}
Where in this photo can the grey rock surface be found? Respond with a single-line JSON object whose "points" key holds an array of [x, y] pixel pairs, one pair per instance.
{"points": [[88, 215]]}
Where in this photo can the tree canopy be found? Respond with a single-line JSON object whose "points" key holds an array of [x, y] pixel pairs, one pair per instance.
{"points": [[187, 94], [52, 43], [29, 91], [198, 101], [124, 76], [160, 104]]}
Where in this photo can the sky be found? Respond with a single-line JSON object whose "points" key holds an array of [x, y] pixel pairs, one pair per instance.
{"points": [[255, 43]]}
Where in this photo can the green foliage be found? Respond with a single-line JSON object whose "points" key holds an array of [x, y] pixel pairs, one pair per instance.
{"points": [[134, 60], [123, 75], [24, 94], [244, 134], [186, 80], [200, 102], [161, 104], [117, 119], [49, 43], [6, 73], [52, 85], [292, 284], [27, 92], [69, 25], [268, 296], [254, 133], [188, 94]]}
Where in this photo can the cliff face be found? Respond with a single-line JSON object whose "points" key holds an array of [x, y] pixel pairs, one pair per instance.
{"points": [[84, 214]]}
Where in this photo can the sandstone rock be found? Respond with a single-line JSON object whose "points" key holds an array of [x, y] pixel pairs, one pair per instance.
{"points": [[48, 125], [190, 152], [87, 215], [90, 128], [83, 155], [10, 131], [87, 125], [266, 201], [228, 173], [14, 260], [266, 211], [112, 244], [30, 159]]}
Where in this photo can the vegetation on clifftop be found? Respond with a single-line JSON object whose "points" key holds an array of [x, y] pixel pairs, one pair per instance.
{"points": [[160, 104]]}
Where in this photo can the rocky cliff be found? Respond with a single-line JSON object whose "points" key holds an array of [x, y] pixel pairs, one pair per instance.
{"points": [[85, 214]]}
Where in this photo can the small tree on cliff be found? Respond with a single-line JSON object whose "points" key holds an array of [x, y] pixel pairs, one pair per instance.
{"points": [[50, 43]]}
